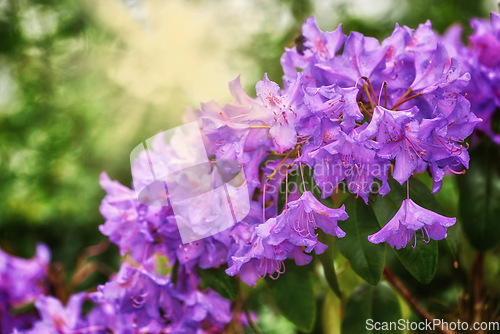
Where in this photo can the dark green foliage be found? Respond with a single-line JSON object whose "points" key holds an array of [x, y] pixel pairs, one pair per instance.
{"points": [[480, 196], [365, 258], [218, 280], [294, 296], [369, 304], [422, 260]]}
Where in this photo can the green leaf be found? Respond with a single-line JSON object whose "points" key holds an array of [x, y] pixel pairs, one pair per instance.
{"points": [[479, 207], [368, 305], [366, 259], [327, 261], [218, 280], [162, 266], [293, 294], [175, 272], [422, 260]]}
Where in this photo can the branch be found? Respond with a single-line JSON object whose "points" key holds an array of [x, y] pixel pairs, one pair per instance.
{"points": [[407, 295], [477, 278]]}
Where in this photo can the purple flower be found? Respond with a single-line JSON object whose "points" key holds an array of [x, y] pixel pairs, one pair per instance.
{"points": [[486, 40], [396, 101], [312, 46], [145, 230], [285, 110], [132, 291], [136, 299], [255, 259], [362, 56], [59, 319], [297, 224], [335, 103], [261, 250], [23, 280], [410, 218], [481, 60], [204, 311]]}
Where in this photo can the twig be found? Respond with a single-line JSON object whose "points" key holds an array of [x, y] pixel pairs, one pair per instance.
{"points": [[477, 275], [250, 321], [407, 295]]}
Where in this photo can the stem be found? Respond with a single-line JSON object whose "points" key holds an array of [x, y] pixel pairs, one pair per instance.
{"points": [[338, 197], [264, 203], [252, 324], [408, 188], [236, 326], [286, 190], [477, 279], [302, 175], [279, 166], [407, 295]]}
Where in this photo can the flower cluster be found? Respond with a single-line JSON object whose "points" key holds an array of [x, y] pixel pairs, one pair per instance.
{"points": [[399, 101], [21, 282], [482, 60], [353, 110]]}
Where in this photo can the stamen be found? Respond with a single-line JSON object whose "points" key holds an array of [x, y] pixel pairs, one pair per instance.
{"points": [[302, 174], [371, 89], [282, 265], [301, 229], [243, 184], [418, 150], [286, 191], [264, 203], [273, 277], [408, 92], [259, 127], [405, 100], [452, 149], [384, 84], [357, 80], [263, 261], [90, 329], [365, 87], [277, 272], [428, 236], [364, 110], [139, 301], [311, 223], [455, 172]]}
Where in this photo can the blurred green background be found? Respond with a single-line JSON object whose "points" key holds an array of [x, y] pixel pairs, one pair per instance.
{"points": [[83, 82]]}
